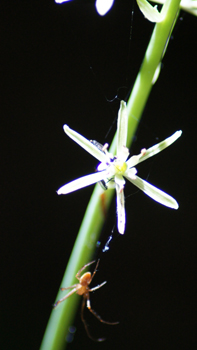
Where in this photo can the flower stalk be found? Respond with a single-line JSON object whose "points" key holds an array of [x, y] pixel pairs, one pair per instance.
{"points": [[62, 317]]}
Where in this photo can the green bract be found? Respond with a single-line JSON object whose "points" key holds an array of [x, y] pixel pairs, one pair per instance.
{"points": [[150, 12]]}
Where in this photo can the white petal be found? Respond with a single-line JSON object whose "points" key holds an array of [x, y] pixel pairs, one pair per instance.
{"points": [[131, 173], [153, 192], [61, 1], [134, 160], [150, 12], [86, 144], [120, 210], [82, 182], [190, 6], [103, 6], [187, 5], [122, 132], [102, 166], [190, 10], [120, 181]]}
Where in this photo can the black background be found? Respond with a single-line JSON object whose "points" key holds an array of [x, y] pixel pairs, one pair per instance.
{"points": [[62, 64]]}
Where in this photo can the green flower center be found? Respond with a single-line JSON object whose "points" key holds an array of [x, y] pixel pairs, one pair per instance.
{"points": [[120, 167]]}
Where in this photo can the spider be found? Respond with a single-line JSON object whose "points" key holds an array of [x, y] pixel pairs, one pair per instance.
{"points": [[82, 288]]}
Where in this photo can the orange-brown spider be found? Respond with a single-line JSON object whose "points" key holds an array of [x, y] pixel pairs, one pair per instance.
{"points": [[82, 288]]}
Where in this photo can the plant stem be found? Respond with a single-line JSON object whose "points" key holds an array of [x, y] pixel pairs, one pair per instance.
{"points": [[85, 244]]}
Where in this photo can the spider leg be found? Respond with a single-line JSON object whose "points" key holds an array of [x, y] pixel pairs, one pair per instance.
{"points": [[79, 272], [95, 270], [97, 287], [64, 298], [96, 315], [73, 286], [86, 325]]}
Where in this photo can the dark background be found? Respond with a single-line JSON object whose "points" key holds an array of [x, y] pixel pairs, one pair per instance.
{"points": [[62, 64]]}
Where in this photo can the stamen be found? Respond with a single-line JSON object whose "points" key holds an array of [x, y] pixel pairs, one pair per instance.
{"points": [[105, 147], [143, 151]]}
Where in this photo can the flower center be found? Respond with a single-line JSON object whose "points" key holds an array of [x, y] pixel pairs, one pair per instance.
{"points": [[120, 167]]}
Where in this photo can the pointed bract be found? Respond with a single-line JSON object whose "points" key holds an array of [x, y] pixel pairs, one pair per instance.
{"points": [[150, 12]]}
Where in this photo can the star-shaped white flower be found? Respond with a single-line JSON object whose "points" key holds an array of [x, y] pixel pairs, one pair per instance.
{"points": [[113, 169]]}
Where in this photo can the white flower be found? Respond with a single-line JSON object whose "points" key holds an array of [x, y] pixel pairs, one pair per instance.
{"points": [[150, 12], [186, 5], [113, 169], [102, 6]]}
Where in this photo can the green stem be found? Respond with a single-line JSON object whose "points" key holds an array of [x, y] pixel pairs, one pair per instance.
{"points": [[85, 244]]}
